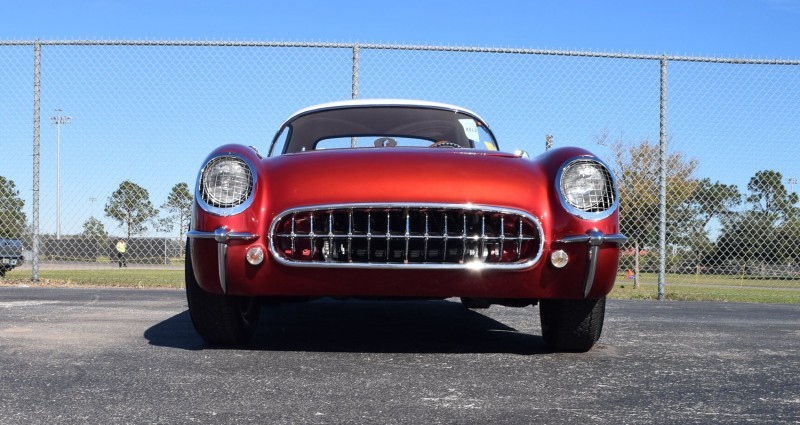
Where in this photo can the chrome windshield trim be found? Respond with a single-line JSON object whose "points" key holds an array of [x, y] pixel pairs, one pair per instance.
{"points": [[474, 265], [373, 103], [361, 103]]}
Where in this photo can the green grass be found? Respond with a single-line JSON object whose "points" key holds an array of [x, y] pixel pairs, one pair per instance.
{"points": [[711, 288], [723, 280], [679, 287], [678, 292], [113, 277]]}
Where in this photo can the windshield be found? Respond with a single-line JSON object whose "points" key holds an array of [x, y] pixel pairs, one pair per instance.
{"points": [[382, 127]]}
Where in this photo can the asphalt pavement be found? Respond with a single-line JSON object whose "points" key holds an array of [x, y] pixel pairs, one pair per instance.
{"points": [[74, 355]]}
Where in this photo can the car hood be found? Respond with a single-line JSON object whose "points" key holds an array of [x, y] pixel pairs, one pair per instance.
{"points": [[401, 175]]}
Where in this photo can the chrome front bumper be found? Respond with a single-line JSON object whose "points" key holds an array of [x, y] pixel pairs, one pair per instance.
{"points": [[222, 236], [594, 238]]}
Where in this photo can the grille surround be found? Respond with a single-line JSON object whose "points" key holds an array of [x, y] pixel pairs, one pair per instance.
{"points": [[221, 209], [475, 249], [607, 202]]}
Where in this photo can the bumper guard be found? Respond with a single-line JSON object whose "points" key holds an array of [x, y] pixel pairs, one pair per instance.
{"points": [[222, 235], [594, 238]]}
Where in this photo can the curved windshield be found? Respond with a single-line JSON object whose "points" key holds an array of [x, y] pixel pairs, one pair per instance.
{"points": [[383, 127]]}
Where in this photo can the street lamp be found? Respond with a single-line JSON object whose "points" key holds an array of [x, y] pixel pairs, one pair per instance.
{"points": [[58, 120], [792, 182]]}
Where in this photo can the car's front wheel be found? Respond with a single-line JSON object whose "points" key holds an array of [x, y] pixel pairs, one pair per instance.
{"points": [[572, 325], [220, 319]]}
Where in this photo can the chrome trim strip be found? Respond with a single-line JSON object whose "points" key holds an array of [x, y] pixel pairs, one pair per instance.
{"points": [[220, 211], [594, 238], [222, 261], [221, 235], [591, 216], [613, 238], [475, 265]]}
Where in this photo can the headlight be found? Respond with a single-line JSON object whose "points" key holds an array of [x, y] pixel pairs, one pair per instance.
{"points": [[587, 186], [225, 182]]}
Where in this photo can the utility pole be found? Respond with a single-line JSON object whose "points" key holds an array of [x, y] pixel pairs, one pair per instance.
{"points": [[59, 120], [91, 200], [792, 182]]}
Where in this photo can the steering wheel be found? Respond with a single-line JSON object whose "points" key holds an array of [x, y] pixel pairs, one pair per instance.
{"points": [[445, 144], [385, 142]]}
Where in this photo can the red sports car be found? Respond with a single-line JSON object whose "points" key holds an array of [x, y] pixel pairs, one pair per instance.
{"points": [[401, 199]]}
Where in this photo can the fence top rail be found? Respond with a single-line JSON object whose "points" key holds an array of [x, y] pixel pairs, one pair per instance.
{"points": [[416, 47]]}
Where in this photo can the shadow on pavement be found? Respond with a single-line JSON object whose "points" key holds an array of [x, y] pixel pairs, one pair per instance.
{"points": [[365, 326]]}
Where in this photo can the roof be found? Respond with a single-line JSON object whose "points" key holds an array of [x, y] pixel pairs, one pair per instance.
{"points": [[382, 102]]}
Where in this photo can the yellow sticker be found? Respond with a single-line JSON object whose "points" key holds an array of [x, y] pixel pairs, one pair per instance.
{"points": [[490, 146]]}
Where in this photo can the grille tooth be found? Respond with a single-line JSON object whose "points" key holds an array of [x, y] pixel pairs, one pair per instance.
{"points": [[406, 235], [350, 236]]}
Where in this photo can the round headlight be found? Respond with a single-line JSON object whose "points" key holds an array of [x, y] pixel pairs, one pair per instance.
{"points": [[587, 185], [227, 181]]}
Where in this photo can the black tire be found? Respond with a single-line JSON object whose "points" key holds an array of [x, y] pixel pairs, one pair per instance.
{"points": [[220, 319], [474, 303], [572, 325]]}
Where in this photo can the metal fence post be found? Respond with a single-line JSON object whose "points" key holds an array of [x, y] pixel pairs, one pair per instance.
{"points": [[354, 87], [662, 182], [37, 72], [354, 91]]}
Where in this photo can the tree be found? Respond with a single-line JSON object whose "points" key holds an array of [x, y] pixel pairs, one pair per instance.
{"points": [[769, 195], [763, 234], [12, 219], [95, 236], [130, 205], [712, 200], [179, 203], [707, 202], [637, 169], [93, 228], [749, 236]]}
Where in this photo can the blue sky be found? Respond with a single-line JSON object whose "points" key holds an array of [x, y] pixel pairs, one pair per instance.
{"points": [[151, 115], [762, 28]]}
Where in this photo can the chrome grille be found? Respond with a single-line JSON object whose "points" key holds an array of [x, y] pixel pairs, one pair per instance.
{"points": [[406, 236]]}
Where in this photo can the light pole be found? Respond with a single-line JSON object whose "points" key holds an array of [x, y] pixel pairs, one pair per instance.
{"points": [[792, 182], [58, 120]]}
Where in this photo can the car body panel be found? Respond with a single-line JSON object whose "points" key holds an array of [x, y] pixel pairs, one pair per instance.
{"points": [[398, 176]]}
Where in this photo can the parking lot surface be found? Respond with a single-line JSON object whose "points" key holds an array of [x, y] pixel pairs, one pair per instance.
{"points": [[72, 355]]}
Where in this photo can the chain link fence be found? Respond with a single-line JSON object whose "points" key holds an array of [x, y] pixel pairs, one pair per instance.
{"points": [[704, 149]]}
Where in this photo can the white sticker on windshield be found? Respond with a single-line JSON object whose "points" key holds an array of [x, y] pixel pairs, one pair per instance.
{"points": [[470, 129]]}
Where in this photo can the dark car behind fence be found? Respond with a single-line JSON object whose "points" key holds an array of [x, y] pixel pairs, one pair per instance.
{"points": [[10, 254]]}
